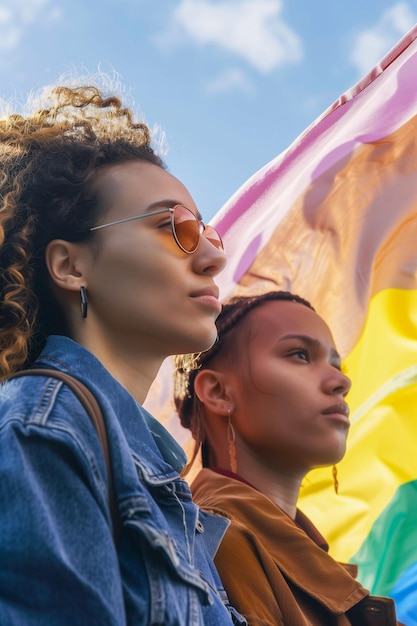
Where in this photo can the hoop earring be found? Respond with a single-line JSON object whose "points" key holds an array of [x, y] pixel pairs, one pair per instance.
{"points": [[84, 302], [231, 438], [335, 481]]}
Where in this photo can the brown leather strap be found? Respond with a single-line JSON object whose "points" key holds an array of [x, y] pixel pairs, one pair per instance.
{"points": [[89, 402]]}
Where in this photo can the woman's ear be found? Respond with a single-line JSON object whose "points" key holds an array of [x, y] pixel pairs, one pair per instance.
{"points": [[212, 391], [64, 262]]}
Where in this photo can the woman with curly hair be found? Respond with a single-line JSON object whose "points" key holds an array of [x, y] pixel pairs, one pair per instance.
{"points": [[267, 404], [106, 269]]}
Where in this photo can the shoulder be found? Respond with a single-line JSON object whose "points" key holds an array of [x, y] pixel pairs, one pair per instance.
{"points": [[47, 432], [42, 401], [225, 496], [44, 409]]}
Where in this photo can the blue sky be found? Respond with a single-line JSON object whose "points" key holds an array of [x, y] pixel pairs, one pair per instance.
{"points": [[231, 83]]}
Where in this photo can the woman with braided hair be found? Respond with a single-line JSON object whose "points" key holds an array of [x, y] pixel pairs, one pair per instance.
{"points": [[106, 269], [266, 404]]}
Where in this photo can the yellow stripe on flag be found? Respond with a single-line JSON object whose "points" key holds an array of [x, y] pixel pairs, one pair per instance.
{"points": [[382, 442]]}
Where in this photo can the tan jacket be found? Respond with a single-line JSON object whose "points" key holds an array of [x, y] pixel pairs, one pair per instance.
{"points": [[277, 572]]}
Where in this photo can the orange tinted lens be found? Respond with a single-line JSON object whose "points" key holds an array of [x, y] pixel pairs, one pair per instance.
{"points": [[213, 236], [187, 229]]}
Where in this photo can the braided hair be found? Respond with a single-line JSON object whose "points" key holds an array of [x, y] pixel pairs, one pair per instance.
{"points": [[228, 322]]}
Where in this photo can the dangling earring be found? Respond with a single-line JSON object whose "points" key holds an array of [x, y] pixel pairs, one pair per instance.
{"points": [[335, 481], [231, 438], [84, 301]]}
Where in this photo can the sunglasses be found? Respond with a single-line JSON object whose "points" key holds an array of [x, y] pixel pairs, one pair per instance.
{"points": [[186, 228]]}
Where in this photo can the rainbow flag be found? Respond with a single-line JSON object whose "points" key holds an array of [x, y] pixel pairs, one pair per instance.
{"points": [[334, 219]]}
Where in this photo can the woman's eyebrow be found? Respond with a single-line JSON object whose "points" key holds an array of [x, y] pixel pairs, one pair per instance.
{"points": [[310, 341], [161, 204], [169, 204]]}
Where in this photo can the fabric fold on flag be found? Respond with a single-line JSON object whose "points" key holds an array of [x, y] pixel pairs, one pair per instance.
{"points": [[334, 219]]}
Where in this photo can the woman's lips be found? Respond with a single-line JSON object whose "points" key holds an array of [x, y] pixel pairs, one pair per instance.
{"points": [[209, 298], [339, 411]]}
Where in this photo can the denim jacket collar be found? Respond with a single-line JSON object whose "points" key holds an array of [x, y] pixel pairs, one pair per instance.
{"points": [[155, 451]]}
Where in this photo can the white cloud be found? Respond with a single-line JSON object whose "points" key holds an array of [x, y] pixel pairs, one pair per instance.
{"points": [[372, 44], [230, 80], [249, 29], [16, 16], [9, 35]]}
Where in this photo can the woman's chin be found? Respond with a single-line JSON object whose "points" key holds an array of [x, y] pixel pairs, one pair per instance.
{"points": [[211, 340], [200, 338]]}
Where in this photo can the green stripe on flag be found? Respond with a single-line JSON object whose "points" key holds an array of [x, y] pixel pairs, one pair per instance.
{"points": [[391, 546]]}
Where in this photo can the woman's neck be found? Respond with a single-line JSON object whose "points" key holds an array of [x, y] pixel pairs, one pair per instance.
{"points": [[282, 490], [278, 484], [135, 369]]}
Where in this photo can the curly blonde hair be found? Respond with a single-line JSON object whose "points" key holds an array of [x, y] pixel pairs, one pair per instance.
{"points": [[49, 161]]}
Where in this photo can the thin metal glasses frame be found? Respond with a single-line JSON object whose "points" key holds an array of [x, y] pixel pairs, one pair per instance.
{"points": [[201, 226]]}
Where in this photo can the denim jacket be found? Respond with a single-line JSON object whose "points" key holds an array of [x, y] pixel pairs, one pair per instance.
{"points": [[59, 564]]}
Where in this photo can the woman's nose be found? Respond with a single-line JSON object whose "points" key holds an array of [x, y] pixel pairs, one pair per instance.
{"points": [[208, 258], [344, 384], [338, 383]]}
